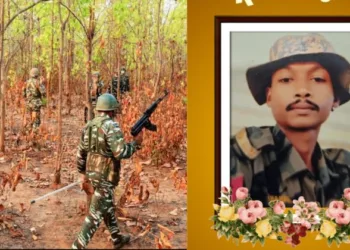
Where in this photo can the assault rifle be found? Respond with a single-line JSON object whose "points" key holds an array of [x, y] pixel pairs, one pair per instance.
{"points": [[144, 121]]}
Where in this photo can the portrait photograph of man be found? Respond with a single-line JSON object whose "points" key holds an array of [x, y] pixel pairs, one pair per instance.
{"points": [[289, 108]]}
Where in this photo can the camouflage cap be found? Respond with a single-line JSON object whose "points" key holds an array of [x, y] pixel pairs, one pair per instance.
{"points": [[96, 73], [306, 48]]}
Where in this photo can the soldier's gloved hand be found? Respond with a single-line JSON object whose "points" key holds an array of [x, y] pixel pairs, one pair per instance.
{"points": [[139, 138]]}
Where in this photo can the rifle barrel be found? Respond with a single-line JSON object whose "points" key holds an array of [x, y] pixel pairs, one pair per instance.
{"points": [[54, 192]]}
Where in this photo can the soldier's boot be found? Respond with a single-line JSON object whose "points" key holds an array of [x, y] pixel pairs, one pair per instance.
{"points": [[121, 240]]}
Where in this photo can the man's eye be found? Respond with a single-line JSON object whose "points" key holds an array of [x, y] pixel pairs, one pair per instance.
{"points": [[319, 79], [285, 80]]}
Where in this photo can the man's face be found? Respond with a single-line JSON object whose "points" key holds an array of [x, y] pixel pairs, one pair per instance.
{"points": [[301, 95]]}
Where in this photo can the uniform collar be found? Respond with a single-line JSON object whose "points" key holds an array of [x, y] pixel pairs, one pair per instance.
{"points": [[294, 163]]}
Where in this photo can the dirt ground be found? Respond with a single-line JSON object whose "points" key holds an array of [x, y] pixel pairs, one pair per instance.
{"points": [[55, 221]]}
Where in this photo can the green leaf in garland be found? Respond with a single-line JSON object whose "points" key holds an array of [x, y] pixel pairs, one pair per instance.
{"points": [[280, 238], [329, 242], [217, 226], [235, 235], [262, 241], [219, 234], [290, 217]]}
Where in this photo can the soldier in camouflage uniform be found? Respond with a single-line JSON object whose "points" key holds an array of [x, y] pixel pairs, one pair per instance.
{"points": [[303, 82], [95, 91], [101, 148], [33, 92], [124, 81], [113, 87]]}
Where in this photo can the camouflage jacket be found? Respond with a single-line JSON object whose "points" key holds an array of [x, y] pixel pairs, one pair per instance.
{"points": [[31, 92], [124, 84], [273, 169], [101, 148], [96, 91], [113, 87]]}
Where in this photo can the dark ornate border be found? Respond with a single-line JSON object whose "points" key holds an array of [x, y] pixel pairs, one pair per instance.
{"points": [[236, 19]]}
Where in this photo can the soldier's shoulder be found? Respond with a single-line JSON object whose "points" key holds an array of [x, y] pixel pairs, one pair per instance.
{"points": [[249, 141], [337, 155]]}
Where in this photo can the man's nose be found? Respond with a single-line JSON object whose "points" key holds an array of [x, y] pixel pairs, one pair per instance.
{"points": [[302, 90]]}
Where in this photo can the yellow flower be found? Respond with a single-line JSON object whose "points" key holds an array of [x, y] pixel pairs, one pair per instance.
{"points": [[263, 228], [227, 213], [273, 236], [328, 229], [216, 207]]}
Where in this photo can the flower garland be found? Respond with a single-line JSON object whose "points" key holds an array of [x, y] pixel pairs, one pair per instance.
{"points": [[248, 218]]}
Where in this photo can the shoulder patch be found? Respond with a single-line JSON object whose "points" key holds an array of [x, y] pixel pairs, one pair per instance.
{"points": [[245, 145]]}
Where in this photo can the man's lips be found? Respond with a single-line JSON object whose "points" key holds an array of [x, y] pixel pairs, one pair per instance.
{"points": [[302, 106]]}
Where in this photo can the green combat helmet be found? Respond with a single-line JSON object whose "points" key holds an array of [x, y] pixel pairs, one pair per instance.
{"points": [[34, 72], [96, 73], [107, 102]]}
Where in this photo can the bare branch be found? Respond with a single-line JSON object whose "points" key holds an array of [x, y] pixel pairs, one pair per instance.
{"points": [[76, 17], [21, 11]]}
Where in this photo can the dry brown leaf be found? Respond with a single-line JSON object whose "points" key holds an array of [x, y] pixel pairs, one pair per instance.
{"points": [[34, 237], [37, 176], [22, 207], [155, 184], [174, 212], [169, 232], [124, 219], [15, 233], [147, 229], [138, 168], [146, 162], [2, 207], [164, 240]]}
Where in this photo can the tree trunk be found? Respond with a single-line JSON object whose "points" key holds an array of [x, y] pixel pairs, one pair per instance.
{"points": [[57, 179], [2, 85], [49, 82], [158, 49]]}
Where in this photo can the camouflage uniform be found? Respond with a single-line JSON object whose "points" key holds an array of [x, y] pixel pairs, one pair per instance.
{"points": [[33, 94], [113, 88], [124, 82], [264, 160], [94, 94], [273, 169], [101, 148]]}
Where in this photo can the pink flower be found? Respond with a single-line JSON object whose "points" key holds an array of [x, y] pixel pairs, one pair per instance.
{"points": [[306, 224], [336, 205], [286, 224], [247, 216], [224, 190], [305, 211], [255, 204], [239, 211], [332, 213], [257, 208], [279, 207], [343, 217], [300, 200], [242, 193], [347, 193]]}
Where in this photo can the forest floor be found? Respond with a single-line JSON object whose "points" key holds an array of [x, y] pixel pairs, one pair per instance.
{"points": [[160, 221]]}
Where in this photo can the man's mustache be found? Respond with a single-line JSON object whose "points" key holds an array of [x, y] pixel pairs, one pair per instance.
{"points": [[314, 105]]}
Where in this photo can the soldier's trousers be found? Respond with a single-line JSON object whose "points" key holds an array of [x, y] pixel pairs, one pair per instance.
{"points": [[33, 109], [101, 208]]}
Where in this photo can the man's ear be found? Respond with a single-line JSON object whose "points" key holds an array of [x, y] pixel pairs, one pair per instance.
{"points": [[268, 96], [336, 103]]}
